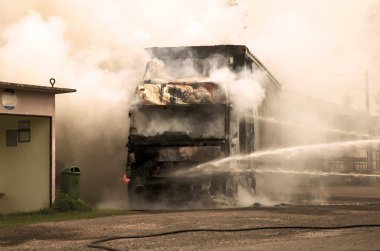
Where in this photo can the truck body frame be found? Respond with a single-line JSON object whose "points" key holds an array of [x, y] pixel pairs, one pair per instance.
{"points": [[178, 125]]}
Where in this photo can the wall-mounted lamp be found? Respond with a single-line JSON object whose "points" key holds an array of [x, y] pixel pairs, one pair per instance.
{"points": [[9, 99]]}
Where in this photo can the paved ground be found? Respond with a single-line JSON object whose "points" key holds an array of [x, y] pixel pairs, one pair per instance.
{"points": [[346, 205], [74, 235]]}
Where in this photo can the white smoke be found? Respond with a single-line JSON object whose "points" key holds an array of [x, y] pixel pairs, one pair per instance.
{"points": [[98, 48], [246, 89]]}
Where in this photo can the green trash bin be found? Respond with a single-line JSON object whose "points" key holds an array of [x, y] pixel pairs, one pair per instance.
{"points": [[70, 181]]}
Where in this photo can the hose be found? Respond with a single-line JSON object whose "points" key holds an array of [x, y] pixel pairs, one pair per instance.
{"points": [[94, 244]]}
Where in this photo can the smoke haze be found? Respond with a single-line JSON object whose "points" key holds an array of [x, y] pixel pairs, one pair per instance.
{"points": [[98, 49]]}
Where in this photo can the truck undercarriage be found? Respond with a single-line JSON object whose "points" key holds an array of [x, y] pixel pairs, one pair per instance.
{"points": [[154, 166]]}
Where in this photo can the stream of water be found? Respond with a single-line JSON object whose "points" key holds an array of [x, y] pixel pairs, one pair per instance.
{"points": [[233, 164], [313, 173], [290, 124]]}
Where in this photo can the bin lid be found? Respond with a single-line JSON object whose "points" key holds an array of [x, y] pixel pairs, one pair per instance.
{"points": [[71, 169]]}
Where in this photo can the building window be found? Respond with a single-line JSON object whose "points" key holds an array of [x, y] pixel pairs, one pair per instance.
{"points": [[24, 131], [11, 138]]}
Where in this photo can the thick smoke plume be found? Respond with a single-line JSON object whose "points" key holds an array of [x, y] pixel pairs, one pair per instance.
{"points": [[246, 89], [98, 49]]}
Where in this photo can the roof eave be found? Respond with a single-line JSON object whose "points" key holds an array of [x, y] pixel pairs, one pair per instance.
{"points": [[35, 88]]}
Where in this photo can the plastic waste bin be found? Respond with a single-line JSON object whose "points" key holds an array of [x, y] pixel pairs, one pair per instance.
{"points": [[70, 181]]}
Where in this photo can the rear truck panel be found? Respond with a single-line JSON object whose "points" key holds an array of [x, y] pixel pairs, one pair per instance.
{"points": [[179, 123]]}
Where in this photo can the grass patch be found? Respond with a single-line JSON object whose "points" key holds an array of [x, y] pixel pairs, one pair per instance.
{"points": [[65, 203], [64, 208], [18, 219]]}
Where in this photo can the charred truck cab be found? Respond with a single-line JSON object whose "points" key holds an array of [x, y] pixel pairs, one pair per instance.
{"points": [[179, 122]]}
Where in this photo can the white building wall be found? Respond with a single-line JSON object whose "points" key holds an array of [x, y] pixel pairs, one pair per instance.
{"points": [[31, 104], [25, 168]]}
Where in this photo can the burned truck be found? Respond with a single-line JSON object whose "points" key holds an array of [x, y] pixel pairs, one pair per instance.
{"points": [[181, 119]]}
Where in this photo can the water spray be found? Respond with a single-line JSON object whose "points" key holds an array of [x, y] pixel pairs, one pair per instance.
{"points": [[315, 173], [335, 130], [226, 165]]}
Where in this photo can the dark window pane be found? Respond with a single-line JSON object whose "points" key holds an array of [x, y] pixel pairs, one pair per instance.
{"points": [[24, 125], [11, 138]]}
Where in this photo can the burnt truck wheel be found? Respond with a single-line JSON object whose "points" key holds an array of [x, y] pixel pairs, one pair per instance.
{"points": [[136, 197], [219, 185]]}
